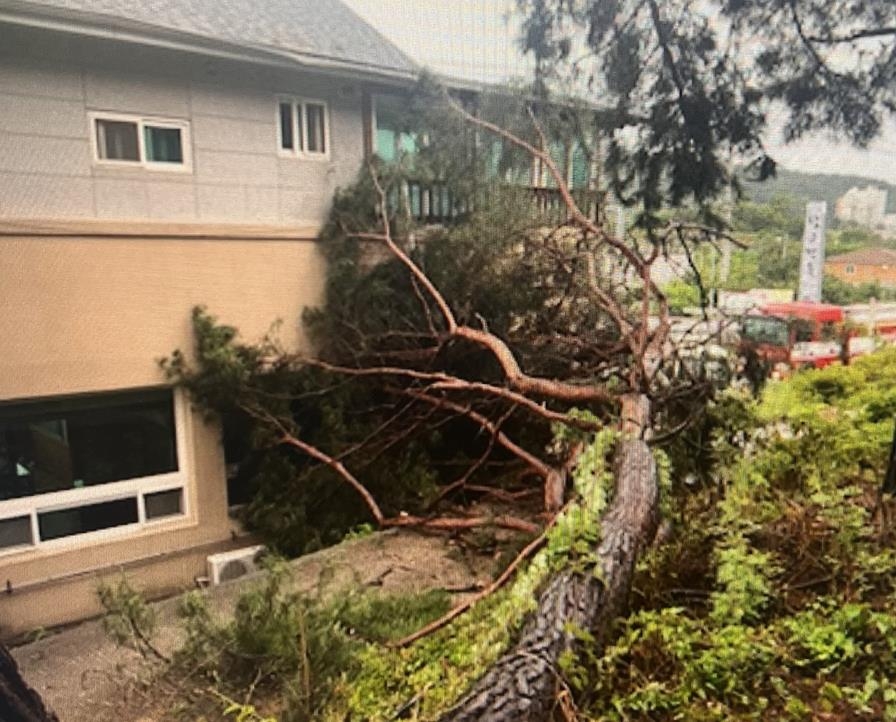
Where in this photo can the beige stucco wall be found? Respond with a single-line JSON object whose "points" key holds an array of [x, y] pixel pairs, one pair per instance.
{"points": [[89, 314]]}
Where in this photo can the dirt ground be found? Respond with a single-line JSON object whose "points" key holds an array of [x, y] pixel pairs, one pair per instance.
{"points": [[83, 675]]}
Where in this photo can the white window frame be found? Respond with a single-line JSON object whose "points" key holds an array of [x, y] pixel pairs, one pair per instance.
{"points": [[141, 122], [298, 104], [32, 506]]}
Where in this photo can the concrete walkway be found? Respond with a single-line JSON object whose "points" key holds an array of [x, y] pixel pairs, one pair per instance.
{"points": [[84, 676]]}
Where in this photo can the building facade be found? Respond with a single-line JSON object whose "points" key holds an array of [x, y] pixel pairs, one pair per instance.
{"points": [[156, 156], [862, 206], [152, 159], [868, 265]]}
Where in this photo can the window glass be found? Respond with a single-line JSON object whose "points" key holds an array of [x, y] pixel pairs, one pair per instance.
{"points": [[393, 138], [117, 140], [415, 200], [286, 128], [557, 151], [64, 444], [163, 145], [385, 144], [762, 329], [15, 532], [579, 161], [315, 120], [494, 152], [805, 330], [83, 519], [163, 503]]}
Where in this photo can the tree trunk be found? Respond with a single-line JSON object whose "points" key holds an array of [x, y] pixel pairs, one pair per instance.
{"points": [[522, 686], [18, 702]]}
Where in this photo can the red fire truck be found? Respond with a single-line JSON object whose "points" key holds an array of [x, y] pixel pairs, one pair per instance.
{"points": [[795, 335]]}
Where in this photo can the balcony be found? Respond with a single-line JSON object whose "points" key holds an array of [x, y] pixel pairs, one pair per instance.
{"points": [[436, 204]]}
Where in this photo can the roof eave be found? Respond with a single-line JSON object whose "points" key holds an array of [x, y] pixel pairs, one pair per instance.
{"points": [[121, 30]]}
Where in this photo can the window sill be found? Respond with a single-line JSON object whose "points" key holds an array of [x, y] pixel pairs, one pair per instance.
{"points": [[116, 167], [312, 157]]}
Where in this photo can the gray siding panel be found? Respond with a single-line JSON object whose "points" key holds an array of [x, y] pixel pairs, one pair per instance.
{"points": [[218, 166], [120, 198], [49, 156], [59, 81], [263, 203], [228, 134], [45, 196], [23, 113], [126, 93], [47, 169], [239, 102], [221, 203], [167, 200]]}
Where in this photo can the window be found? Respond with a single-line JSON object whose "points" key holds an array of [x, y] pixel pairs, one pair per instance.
{"points": [[303, 128], [77, 465], [804, 330], [146, 142], [850, 269], [766, 330], [392, 139], [571, 159]]}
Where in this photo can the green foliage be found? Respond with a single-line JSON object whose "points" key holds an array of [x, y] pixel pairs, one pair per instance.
{"points": [[387, 618], [429, 675], [774, 600], [833, 290], [682, 295], [299, 650], [298, 506], [781, 214], [127, 618]]}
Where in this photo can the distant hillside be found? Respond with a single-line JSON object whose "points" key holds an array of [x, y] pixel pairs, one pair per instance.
{"points": [[813, 187]]}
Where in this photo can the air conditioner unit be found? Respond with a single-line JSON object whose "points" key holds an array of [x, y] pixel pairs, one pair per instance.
{"points": [[234, 564]]}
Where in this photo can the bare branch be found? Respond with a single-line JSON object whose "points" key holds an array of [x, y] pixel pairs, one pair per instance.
{"points": [[552, 478]]}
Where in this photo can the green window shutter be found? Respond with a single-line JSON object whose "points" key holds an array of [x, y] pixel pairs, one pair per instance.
{"points": [[385, 144], [557, 151], [580, 174], [493, 159]]}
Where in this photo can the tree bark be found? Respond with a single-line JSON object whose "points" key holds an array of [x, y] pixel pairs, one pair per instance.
{"points": [[18, 702], [523, 685]]}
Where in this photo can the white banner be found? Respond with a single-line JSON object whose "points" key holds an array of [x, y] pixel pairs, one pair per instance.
{"points": [[812, 261]]}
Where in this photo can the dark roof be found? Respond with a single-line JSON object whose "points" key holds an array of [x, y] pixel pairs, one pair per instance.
{"points": [[867, 257], [312, 32]]}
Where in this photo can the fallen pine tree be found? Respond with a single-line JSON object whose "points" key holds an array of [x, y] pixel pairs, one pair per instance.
{"points": [[579, 601]]}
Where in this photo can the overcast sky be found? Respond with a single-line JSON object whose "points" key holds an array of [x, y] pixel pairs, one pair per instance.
{"points": [[476, 39]]}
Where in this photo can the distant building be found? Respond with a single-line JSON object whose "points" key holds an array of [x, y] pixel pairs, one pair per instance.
{"points": [[862, 206], [867, 265], [888, 225]]}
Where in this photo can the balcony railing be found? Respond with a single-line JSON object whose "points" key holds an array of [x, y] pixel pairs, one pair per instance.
{"points": [[436, 204]]}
